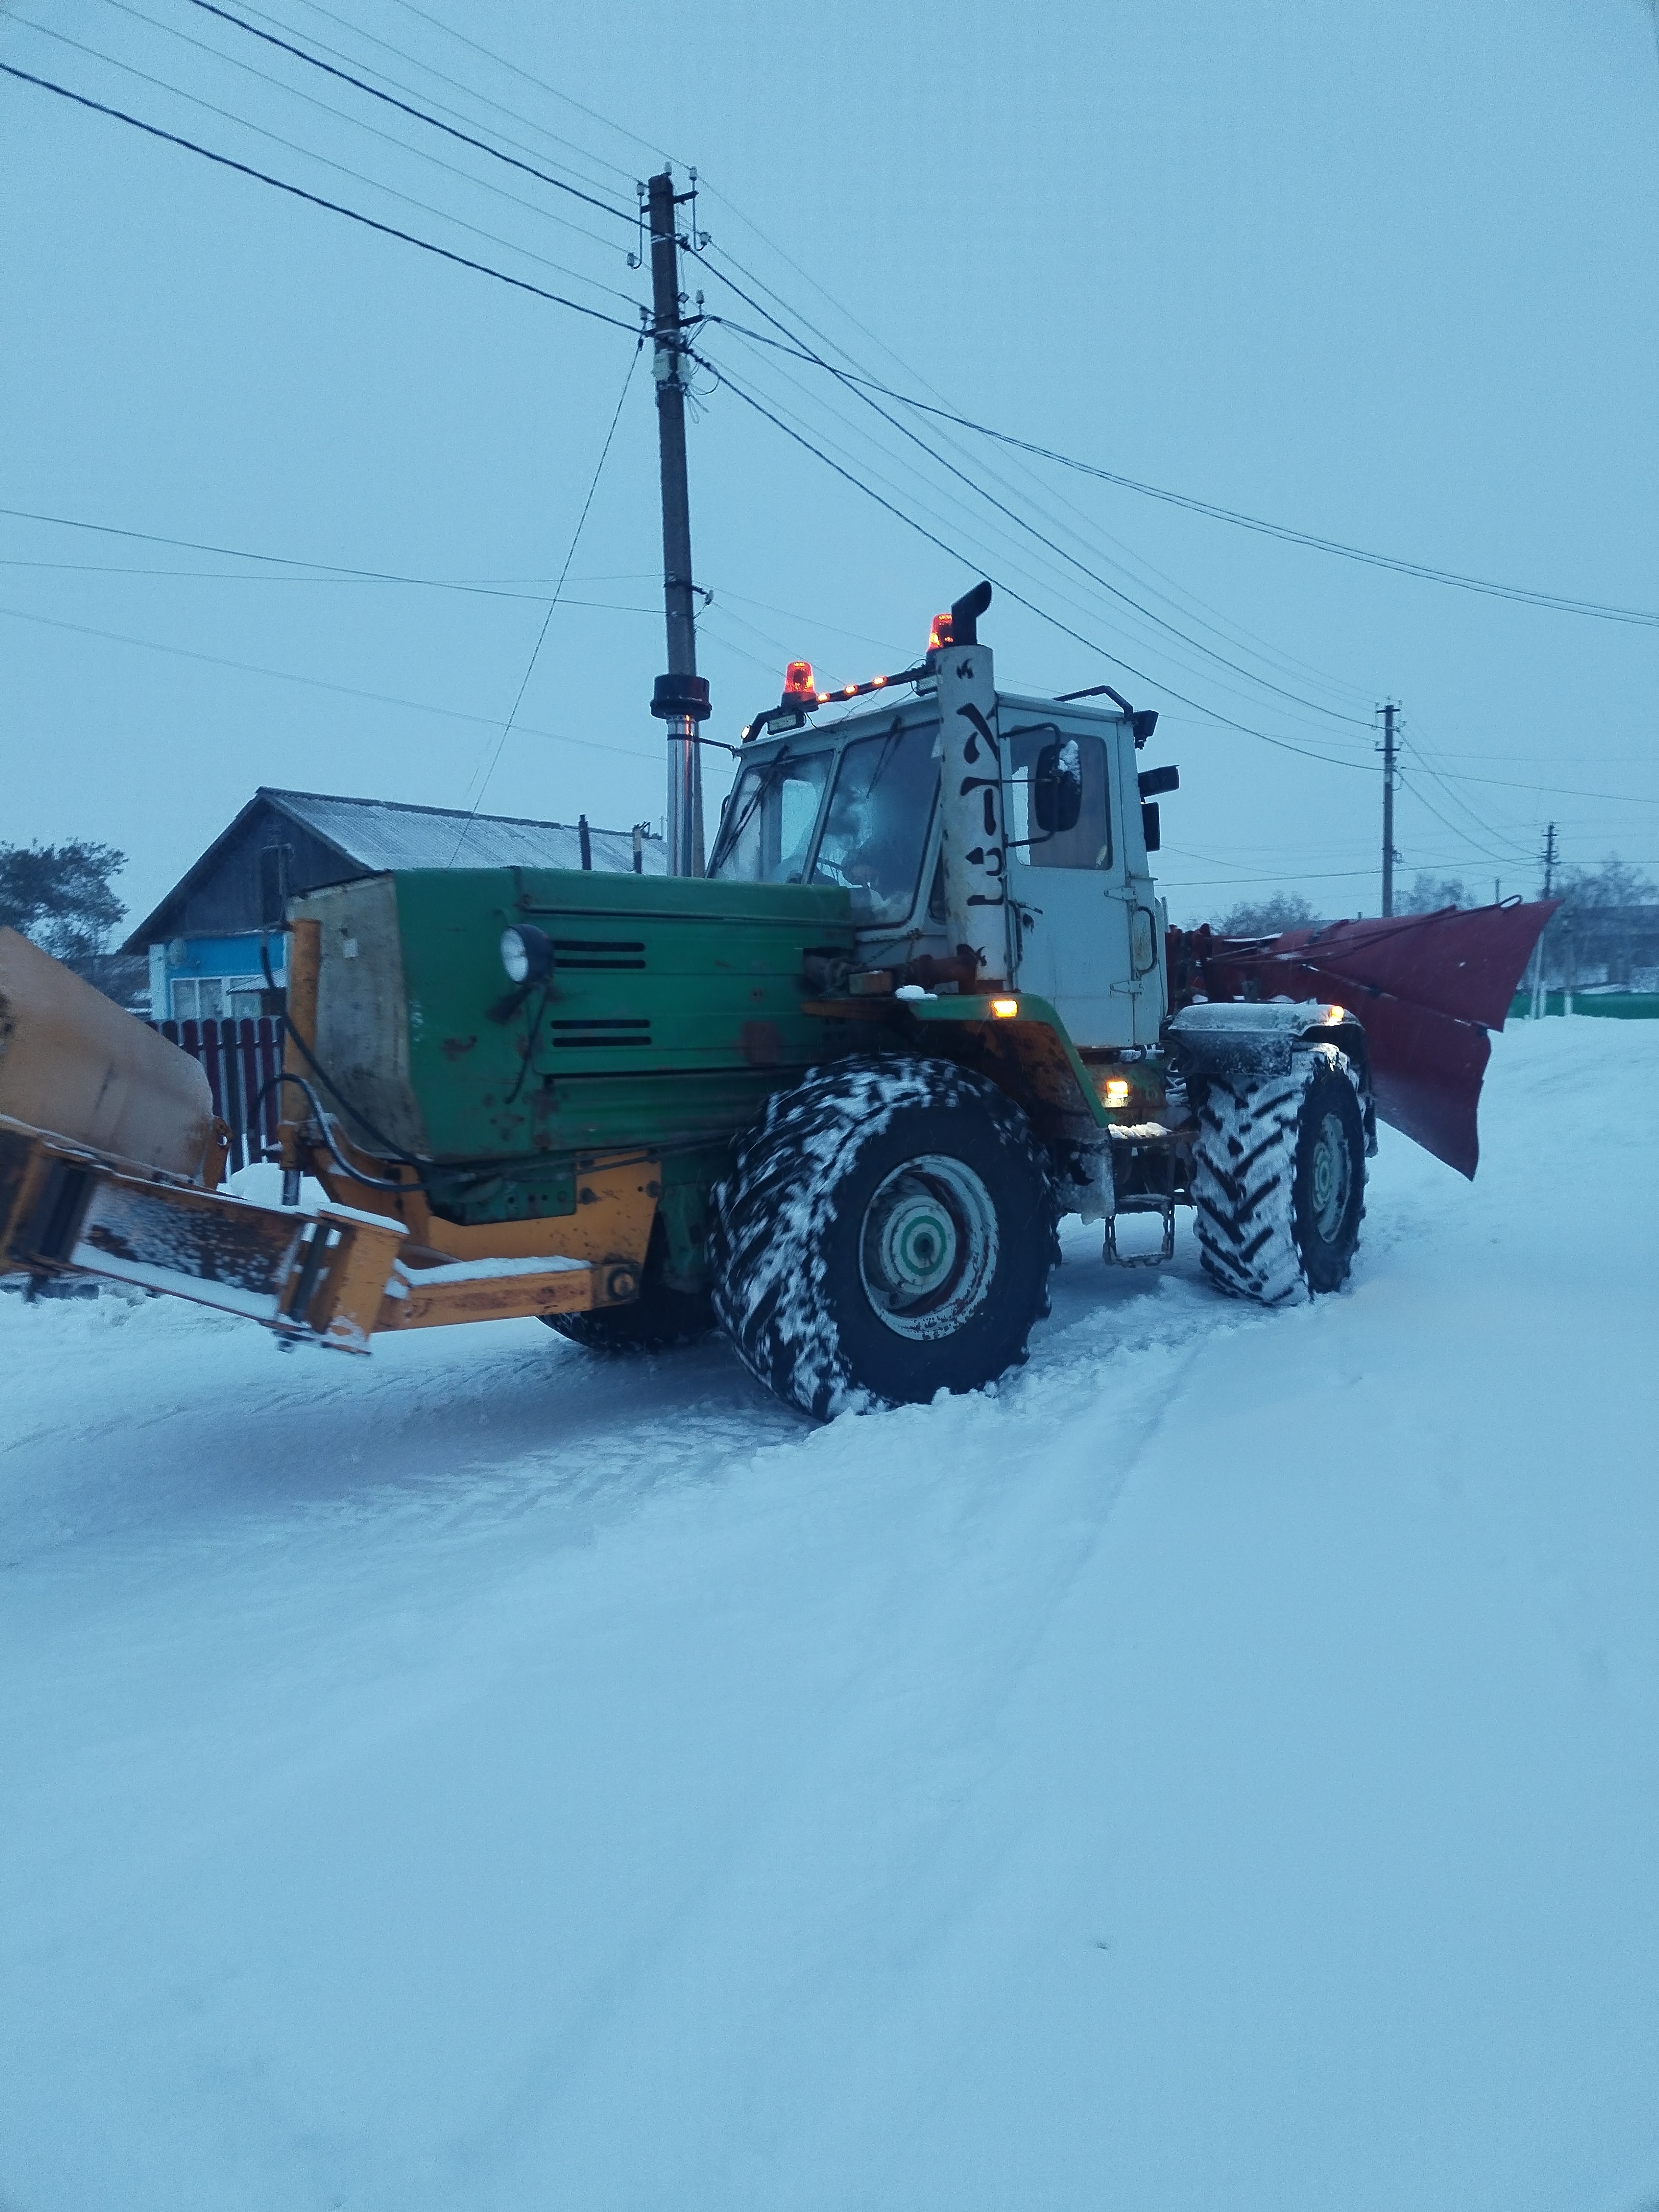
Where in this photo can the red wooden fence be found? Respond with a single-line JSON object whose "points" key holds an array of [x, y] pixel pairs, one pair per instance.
{"points": [[241, 1059]]}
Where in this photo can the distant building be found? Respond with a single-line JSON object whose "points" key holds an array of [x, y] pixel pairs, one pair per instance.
{"points": [[1604, 947], [214, 937]]}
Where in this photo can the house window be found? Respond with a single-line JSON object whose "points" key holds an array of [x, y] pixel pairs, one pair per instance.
{"points": [[198, 998], [244, 997]]}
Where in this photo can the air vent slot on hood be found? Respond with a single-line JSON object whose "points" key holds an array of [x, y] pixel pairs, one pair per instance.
{"points": [[598, 953], [600, 1034]]}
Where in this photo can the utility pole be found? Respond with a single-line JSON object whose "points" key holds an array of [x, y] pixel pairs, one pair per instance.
{"points": [[1390, 856], [681, 697], [1539, 999]]}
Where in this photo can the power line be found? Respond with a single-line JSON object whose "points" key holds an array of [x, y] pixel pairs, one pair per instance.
{"points": [[370, 38], [316, 199], [344, 169], [1042, 536], [540, 84], [1271, 656], [709, 624], [1614, 798], [1290, 876], [1555, 602], [541, 635], [1196, 645], [243, 576], [321, 570], [357, 122], [311, 682], [1018, 597], [1498, 837], [1559, 791], [806, 354], [1487, 852], [433, 121], [329, 572], [1234, 636], [864, 474]]}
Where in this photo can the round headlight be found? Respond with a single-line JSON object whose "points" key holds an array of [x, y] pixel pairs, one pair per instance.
{"points": [[526, 954]]}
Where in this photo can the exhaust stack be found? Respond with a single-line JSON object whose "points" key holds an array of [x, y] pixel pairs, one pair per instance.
{"points": [[974, 844]]}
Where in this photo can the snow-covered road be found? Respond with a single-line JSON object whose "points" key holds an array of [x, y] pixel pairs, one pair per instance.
{"points": [[1221, 1770]]}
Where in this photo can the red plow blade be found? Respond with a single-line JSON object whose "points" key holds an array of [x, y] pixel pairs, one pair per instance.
{"points": [[1427, 988]]}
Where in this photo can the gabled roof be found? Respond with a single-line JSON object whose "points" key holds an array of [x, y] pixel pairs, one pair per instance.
{"points": [[383, 833], [374, 835]]}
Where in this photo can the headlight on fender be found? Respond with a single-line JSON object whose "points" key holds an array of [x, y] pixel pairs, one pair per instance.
{"points": [[527, 953]]}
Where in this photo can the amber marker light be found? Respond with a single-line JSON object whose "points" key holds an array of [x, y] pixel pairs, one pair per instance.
{"points": [[1336, 1013], [1004, 1009], [1117, 1092]]}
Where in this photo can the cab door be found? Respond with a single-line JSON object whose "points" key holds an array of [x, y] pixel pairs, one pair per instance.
{"points": [[1085, 920]]}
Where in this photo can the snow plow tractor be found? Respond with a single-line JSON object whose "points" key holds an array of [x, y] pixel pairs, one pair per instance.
{"points": [[833, 1097]]}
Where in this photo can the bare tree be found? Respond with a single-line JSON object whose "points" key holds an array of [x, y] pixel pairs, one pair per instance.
{"points": [[1429, 894], [60, 896], [1612, 885], [1608, 924], [1266, 917]]}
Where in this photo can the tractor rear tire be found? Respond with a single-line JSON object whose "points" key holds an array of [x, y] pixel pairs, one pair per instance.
{"points": [[1279, 1179], [886, 1232], [657, 1320]]}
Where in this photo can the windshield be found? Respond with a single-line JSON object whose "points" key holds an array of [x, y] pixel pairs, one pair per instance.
{"points": [[768, 831], [876, 830]]}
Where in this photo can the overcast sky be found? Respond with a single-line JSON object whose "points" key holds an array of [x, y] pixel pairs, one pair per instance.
{"points": [[1386, 275]]}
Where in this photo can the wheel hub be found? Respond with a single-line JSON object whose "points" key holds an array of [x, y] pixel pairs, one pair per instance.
{"points": [[927, 1250], [1331, 1176]]}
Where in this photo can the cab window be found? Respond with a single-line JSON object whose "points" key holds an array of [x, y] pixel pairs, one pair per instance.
{"points": [[767, 835], [1058, 815], [875, 829]]}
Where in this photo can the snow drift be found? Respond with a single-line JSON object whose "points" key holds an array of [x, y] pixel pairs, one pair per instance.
{"points": [[1215, 1770]]}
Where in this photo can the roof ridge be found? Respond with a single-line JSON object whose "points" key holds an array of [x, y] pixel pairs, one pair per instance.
{"points": [[443, 814]]}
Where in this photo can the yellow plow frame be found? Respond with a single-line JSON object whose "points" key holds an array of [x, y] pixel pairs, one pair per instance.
{"points": [[110, 1160]]}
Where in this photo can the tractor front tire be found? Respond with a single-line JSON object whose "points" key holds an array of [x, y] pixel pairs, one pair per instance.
{"points": [[657, 1320], [886, 1232], [1279, 1179]]}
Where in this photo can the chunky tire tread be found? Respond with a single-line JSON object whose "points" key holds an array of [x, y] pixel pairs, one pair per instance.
{"points": [[1251, 1197], [784, 1229]]}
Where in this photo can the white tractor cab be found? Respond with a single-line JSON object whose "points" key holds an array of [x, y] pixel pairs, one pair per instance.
{"points": [[855, 800]]}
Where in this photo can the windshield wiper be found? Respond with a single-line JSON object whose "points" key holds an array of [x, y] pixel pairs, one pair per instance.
{"points": [[764, 780]]}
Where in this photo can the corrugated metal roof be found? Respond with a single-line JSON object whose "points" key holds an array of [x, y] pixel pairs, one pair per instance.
{"points": [[379, 833], [371, 835]]}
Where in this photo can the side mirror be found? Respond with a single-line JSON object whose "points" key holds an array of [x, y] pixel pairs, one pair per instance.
{"points": [[1057, 787]]}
